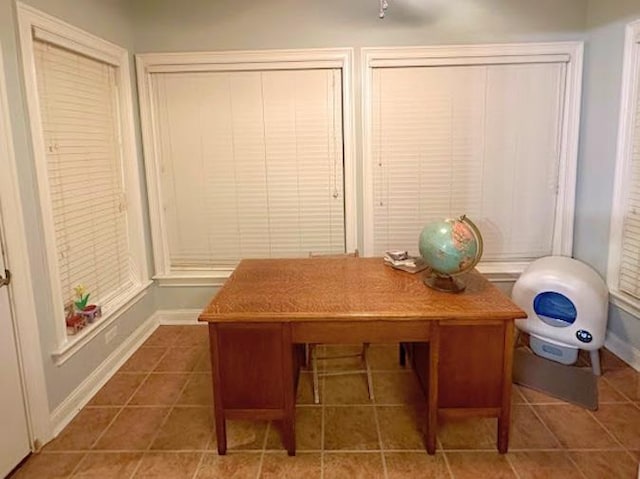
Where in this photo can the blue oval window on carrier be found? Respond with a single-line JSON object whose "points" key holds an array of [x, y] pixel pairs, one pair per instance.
{"points": [[555, 309]]}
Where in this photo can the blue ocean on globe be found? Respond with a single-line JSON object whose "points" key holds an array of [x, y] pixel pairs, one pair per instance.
{"points": [[449, 246]]}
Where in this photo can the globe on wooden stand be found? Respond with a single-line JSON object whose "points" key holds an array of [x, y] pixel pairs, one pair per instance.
{"points": [[450, 247]]}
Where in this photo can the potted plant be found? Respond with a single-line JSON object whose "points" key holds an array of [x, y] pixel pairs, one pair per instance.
{"points": [[89, 311], [75, 321]]}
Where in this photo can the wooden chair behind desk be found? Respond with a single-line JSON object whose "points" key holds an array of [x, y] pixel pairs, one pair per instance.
{"points": [[313, 357]]}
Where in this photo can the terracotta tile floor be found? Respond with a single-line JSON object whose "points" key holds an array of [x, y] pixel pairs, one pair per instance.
{"points": [[154, 419]]}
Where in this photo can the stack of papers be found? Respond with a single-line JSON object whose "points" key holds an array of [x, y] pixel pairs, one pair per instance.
{"points": [[397, 258], [402, 260]]}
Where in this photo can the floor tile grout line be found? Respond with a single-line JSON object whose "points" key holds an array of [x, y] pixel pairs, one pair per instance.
{"points": [[546, 426], [77, 466], [615, 438], [135, 469], [616, 389], [212, 433], [185, 374], [184, 386], [322, 428], [364, 404], [128, 401], [377, 422], [199, 465], [160, 426], [513, 450], [545, 403], [513, 468], [170, 409], [121, 408], [456, 451], [330, 452], [575, 464], [264, 446], [153, 406], [446, 462], [633, 456]]}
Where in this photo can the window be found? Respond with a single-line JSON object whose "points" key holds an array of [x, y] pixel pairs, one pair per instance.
{"points": [[623, 275], [248, 158], [482, 131], [80, 108]]}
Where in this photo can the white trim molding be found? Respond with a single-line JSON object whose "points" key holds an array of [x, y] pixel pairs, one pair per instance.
{"points": [[21, 287], [35, 24], [149, 63], [568, 53], [189, 279], [624, 151], [79, 398], [625, 351], [178, 316]]}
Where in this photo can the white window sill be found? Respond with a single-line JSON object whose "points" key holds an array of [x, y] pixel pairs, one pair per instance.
{"points": [[494, 271], [76, 342], [215, 277], [502, 272]]}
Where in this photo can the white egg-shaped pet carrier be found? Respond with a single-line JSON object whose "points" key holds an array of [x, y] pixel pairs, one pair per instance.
{"points": [[566, 302]]}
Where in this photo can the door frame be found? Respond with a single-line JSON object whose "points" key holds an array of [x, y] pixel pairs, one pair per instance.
{"points": [[21, 295]]}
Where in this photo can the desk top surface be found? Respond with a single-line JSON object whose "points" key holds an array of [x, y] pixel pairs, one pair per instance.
{"points": [[347, 288]]}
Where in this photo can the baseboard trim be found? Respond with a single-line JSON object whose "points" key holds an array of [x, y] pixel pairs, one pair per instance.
{"points": [[178, 316], [79, 398], [625, 351]]}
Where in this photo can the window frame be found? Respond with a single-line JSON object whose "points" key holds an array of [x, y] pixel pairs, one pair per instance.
{"points": [[464, 55], [67, 36], [629, 98], [149, 63]]}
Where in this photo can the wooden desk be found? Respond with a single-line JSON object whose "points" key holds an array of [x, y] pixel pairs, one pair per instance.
{"points": [[268, 308]]}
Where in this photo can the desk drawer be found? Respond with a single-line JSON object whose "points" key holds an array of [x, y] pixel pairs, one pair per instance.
{"points": [[471, 366], [359, 331], [250, 364]]}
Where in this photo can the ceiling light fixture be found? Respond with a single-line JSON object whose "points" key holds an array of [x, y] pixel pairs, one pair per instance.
{"points": [[383, 7]]}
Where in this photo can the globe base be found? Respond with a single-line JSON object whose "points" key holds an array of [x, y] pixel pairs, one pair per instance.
{"points": [[447, 283]]}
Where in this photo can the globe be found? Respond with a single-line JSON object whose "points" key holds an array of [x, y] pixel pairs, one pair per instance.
{"points": [[450, 247]]}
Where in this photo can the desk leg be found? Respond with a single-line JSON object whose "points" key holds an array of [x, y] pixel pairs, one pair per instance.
{"points": [[432, 399], [218, 410], [504, 418], [288, 373]]}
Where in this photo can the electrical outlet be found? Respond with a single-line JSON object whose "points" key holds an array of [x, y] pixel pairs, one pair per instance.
{"points": [[109, 335]]}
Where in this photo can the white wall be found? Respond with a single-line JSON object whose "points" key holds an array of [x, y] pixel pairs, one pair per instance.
{"points": [[606, 21], [169, 25]]}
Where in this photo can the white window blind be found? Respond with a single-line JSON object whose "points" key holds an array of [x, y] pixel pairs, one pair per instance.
{"points": [[629, 272], [480, 140], [80, 123], [251, 164]]}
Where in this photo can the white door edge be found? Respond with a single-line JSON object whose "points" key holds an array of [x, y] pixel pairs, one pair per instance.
{"points": [[28, 336]]}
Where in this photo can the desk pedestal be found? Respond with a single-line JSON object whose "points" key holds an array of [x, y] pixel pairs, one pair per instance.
{"points": [[464, 368], [255, 370], [474, 368]]}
